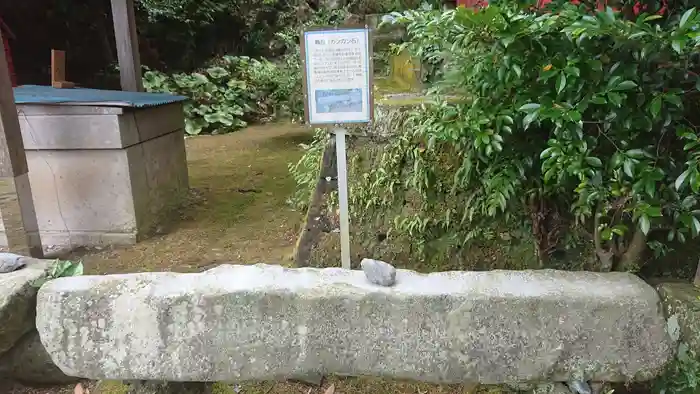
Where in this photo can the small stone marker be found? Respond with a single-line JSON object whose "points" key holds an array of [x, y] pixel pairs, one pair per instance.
{"points": [[379, 272]]}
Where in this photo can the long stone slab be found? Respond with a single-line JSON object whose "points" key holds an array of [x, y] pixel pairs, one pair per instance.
{"points": [[269, 322]]}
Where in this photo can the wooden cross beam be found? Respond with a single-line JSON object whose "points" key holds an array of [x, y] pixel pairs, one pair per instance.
{"points": [[127, 45], [17, 211]]}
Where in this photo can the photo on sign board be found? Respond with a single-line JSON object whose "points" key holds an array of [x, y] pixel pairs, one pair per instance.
{"points": [[338, 100]]}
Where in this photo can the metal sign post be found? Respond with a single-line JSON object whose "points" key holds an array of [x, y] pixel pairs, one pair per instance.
{"points": [[343, 197], [338, 90]]}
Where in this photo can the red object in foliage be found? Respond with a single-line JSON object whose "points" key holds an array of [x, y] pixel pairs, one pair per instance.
{"points": [[472, 3], [6, 35], [638, 7]]}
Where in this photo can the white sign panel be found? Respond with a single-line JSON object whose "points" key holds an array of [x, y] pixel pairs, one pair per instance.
{"points": [[338, 80]]}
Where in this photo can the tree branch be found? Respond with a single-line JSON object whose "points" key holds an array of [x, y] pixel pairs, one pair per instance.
{"points": [[604, 256]]}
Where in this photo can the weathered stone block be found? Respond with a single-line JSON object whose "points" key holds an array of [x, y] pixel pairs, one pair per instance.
{"points": [[17, 301], [267, 322], [683, 301]]}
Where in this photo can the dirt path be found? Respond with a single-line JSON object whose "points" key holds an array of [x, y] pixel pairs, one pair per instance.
{"points": [[238, 213]]}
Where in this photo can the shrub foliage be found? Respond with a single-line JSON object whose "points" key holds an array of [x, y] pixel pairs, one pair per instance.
{"points": [[576, 123]]}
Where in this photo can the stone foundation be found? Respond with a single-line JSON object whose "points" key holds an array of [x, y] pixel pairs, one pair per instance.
{"points": [[102, 175]]}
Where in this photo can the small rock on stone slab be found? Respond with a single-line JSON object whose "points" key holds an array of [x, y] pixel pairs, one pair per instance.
{"points": [[10, 262], [379, 272]]}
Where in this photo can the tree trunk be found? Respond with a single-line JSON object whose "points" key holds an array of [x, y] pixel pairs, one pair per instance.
{"points": [[632, 258], [605, 256]]}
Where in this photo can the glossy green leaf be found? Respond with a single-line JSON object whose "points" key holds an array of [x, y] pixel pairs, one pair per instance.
{"points": [[673, 99], [680, 181], [626, 85], [650, 188], [644, 224], [218, 72], [529, 119], [685, 17], [546, 153], [530, 107], [561, 82], [594, 161], [575, 116], [654, 212], [635, 153], [518, 71], [677, 45], [615, 98], [619, 229], [655, 107], [695, 227]]}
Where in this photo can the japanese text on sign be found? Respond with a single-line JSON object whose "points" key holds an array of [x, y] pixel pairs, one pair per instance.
{"points": [[337, 76]]}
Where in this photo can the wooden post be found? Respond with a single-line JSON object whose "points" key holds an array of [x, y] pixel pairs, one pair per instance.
{"points": [[58, 66], [316, 220], [58, 70], [696, 280], [127, 45], [18, 214]]}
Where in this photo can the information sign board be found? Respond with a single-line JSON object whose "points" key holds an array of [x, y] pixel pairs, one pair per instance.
{"points": [[337, 75]]}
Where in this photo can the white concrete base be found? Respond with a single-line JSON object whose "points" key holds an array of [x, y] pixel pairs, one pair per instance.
{"points": [[103, 176]]}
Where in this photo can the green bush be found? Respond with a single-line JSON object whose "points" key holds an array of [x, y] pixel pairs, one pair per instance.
{"points": [[233, 91], [576, 125], [682, 375], [230, 93]]}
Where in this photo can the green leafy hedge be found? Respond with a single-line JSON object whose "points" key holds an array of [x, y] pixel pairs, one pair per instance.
{"points": [[576, 124], [231, 92]]}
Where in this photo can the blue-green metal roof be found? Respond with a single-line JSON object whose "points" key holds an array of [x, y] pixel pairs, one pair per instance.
{"points": [[34, 94]]}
